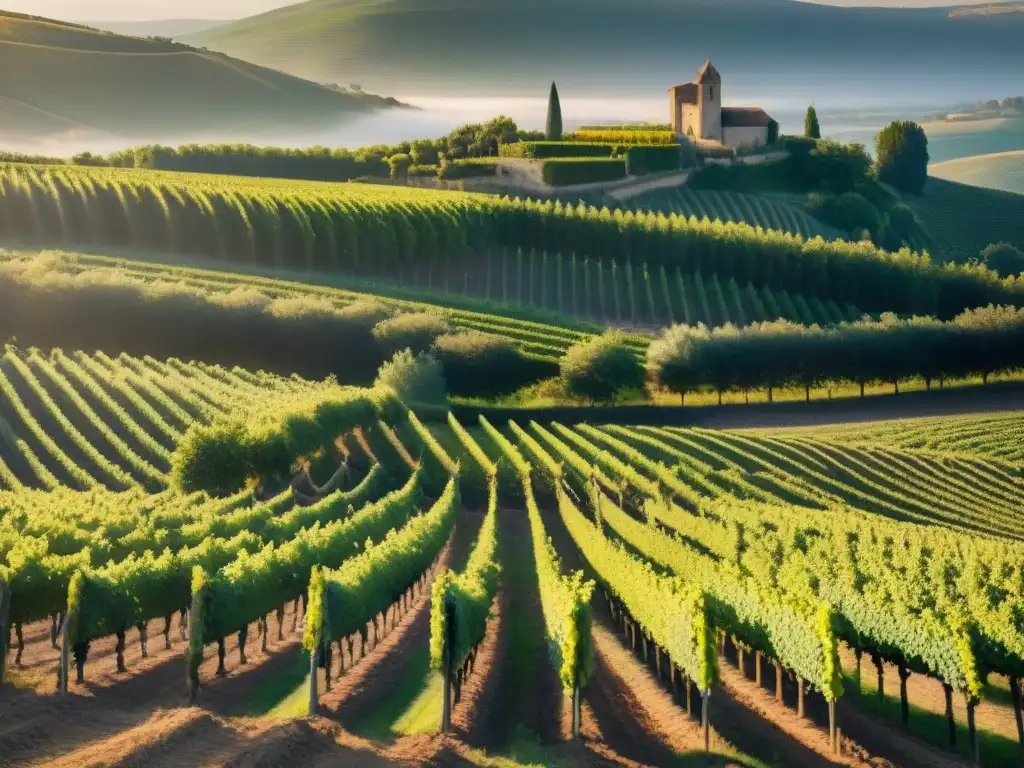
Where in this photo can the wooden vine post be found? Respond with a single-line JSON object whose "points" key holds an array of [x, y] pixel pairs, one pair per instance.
{"points": [[448, 664], [314, 694], [576, 712], [833, 726], [65, 656], [1015, 692], [947, 689], [5, 612], [194, 655], [973, 730], [705, 696]]}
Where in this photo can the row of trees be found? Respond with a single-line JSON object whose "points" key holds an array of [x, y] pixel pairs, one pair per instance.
{"points": [[385, 232], [901, 152], [769, 355]]}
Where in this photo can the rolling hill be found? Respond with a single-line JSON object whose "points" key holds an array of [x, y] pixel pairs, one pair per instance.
{"points": [[61, 77], [962, 219], [157, 27], [619, 46]]}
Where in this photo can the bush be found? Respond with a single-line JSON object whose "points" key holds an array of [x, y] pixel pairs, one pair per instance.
{"points": [[901, 152], [850, 212], [414, 378], [366, 313], [652, 159], [902, 222], [797, 145], [833, 167], [601, 368], [540, 150], [415, 330], [399, 165], [466, 169], [424, 171], [485, 365], [565, 172], [1004, 259]]}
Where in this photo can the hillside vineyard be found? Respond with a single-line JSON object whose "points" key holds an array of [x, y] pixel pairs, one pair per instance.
{"points": [[438, 238], [795, 546]]}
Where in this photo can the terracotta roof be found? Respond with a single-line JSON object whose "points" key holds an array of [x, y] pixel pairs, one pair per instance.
{"points": [[708, 73], [686, 92], [745, 117]]}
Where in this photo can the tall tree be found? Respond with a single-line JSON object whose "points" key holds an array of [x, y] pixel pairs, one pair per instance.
{"points": [[553, 128], [811, 128], [901, 155]]}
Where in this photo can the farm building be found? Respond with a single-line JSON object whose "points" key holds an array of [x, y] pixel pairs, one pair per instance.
{"points": [[695, 110]]}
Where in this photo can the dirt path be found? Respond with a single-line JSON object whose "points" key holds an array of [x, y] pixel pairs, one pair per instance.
{"points": [[926, 693], [629, 707], [393, 660], [111, 703], [741, 716], [663, 181], [520, 692]]}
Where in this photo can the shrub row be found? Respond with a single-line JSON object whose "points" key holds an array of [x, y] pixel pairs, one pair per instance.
{"points": [[769, 355], [466, 169], [307, 336], [623, 136], [540, 150], [653, 159], [564, 172]]}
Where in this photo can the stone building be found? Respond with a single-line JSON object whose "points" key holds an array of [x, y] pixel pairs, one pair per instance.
{"points": [[696, 111]]}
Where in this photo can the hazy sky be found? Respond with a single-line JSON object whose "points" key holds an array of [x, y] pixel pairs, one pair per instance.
{"points": [[144, 10]]}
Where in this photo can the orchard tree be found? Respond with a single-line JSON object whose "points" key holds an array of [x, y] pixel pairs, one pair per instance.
{"points": [[901, 156], [812, 130], [553, 127]]}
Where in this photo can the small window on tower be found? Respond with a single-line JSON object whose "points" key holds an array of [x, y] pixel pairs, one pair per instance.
{"points": [[712, 93]]}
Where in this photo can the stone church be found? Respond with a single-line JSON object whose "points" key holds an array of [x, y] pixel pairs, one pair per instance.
{"points": [[696, 111]]}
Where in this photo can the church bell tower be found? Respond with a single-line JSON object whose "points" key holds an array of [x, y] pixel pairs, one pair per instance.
{"points": [[709, 101]]}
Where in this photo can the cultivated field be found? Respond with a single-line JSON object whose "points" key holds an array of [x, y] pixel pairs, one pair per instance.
{"points": [[997, 217], [111, 501]]}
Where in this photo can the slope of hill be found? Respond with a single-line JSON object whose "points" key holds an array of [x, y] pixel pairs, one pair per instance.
{"points": [[520, 43], [961, 219], [1002, 170], [158, 27], [62, 75]]}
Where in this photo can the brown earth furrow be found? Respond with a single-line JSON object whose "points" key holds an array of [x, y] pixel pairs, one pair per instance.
{"points": [[371, 678]]}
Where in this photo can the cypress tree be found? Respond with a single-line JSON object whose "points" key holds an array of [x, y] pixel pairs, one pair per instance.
{"points": [[553, 127], [811, 128]]}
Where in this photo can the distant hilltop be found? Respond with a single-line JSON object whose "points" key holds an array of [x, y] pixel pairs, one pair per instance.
{"points": [[619, 47], [150, 88]]}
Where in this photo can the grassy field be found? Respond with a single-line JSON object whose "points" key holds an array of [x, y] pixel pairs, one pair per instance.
{"points": [[1003, 171], [74, 77], [962, 219]]}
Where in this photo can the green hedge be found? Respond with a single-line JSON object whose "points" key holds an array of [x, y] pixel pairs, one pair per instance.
{"points": [[486, 365], [566, 171], [423, 171], [467, 169], [653, 159], [540, 150]]}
